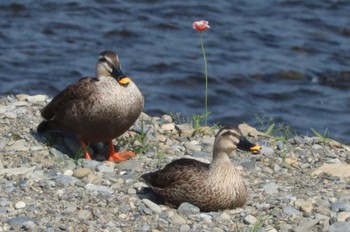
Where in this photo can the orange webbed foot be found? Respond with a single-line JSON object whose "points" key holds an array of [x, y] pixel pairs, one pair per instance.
{"points": [[121, 156], [86, 152], [118, 156]]}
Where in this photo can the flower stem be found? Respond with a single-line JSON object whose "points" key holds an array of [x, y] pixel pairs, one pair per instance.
{"points": [[206, 79]]}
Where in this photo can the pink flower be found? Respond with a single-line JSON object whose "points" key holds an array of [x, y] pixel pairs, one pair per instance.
{"points": [[201, 25]]}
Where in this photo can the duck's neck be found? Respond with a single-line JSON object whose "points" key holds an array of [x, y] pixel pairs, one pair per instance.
{"points": [[220, 159]]}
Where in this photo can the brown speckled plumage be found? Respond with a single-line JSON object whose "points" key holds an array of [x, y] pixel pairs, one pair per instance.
{"points": [[96, 109], [211, 187]]}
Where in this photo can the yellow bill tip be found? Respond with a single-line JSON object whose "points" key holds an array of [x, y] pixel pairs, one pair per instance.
{"points": [[255, 149], [124, 80]]}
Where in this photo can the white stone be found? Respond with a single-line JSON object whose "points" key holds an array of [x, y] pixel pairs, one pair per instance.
{"points": [[177, 219], [338, 169], [10, 115], [152, 206], [271, 188], [167, 118], [343, 216], [106, 167], [36, 98], [68, 173], [19, 145], [168, 126], [20, 205], [223, 217], [250, 220], [16, 171]]}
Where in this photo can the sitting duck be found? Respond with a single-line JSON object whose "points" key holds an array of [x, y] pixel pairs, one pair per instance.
{"points": [[96, 109], [211, 187]]}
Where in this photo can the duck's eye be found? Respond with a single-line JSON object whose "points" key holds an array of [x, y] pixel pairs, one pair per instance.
{"points": [[102, 59]]}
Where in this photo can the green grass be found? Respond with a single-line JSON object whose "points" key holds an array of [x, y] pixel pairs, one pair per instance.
{"points": [[143, 145], [161, 158], [198, 118], [323, 137], [179, 119], [78, 155], [280, 131], [258, 225]]}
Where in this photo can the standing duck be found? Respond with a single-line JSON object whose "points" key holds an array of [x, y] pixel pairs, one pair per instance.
{"points": [[96, 109], [211, 187]]}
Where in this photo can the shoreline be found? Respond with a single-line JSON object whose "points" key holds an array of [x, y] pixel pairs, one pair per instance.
{"points": [[299, 184]]}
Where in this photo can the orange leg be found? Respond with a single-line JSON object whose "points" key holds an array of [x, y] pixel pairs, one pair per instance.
{"points": [[118, 156], [87, 155]]}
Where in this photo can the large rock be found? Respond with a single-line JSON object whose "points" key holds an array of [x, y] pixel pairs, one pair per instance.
{"points": [[338, 169]]}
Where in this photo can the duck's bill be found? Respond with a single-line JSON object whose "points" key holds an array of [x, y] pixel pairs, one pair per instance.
{"points": [[124, 80], [244, 144]]}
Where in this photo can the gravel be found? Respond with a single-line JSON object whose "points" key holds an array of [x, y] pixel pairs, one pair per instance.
{"points": [[300, 184]]}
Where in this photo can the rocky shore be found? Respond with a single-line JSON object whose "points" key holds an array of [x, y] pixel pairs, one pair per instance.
{"points": [[297, 184]]}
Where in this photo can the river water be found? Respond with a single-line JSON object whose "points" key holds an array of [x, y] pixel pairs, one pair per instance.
{"points": [[282, 59]]}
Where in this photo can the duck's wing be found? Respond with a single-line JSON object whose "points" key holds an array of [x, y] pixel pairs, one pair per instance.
{"points": [[77, 91], [181, 170]]}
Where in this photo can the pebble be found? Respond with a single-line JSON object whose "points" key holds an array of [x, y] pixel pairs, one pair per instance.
{"points": [[19, 145], [81, 172], [186, 129], [250, 220], [36, 148], [248, 164], [85, 163], [340, 206], [168, 126], [343, 216], [185, 228], [290, 210], [317, 147], [36, 98], [68, 173], [305, 226], [16, 171], [271, 188], [177, 219], [217, 229], [128, 165], [338, 169], [268, 151], [29, 225], [223, 217], [201, 154], [167, 118], [132, 191], [70, 209], [307, 207], [66, 180], [208, 141], [10, 115], [188, 209], [106, 167], [340, 227], [298, 139], [152, 206], [99, 189], [22, 97], [191, 147], [20, 205], [19, 221]]}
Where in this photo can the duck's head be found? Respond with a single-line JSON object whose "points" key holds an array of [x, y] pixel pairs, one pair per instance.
{"points": [[108, 65], [229, 138]]}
